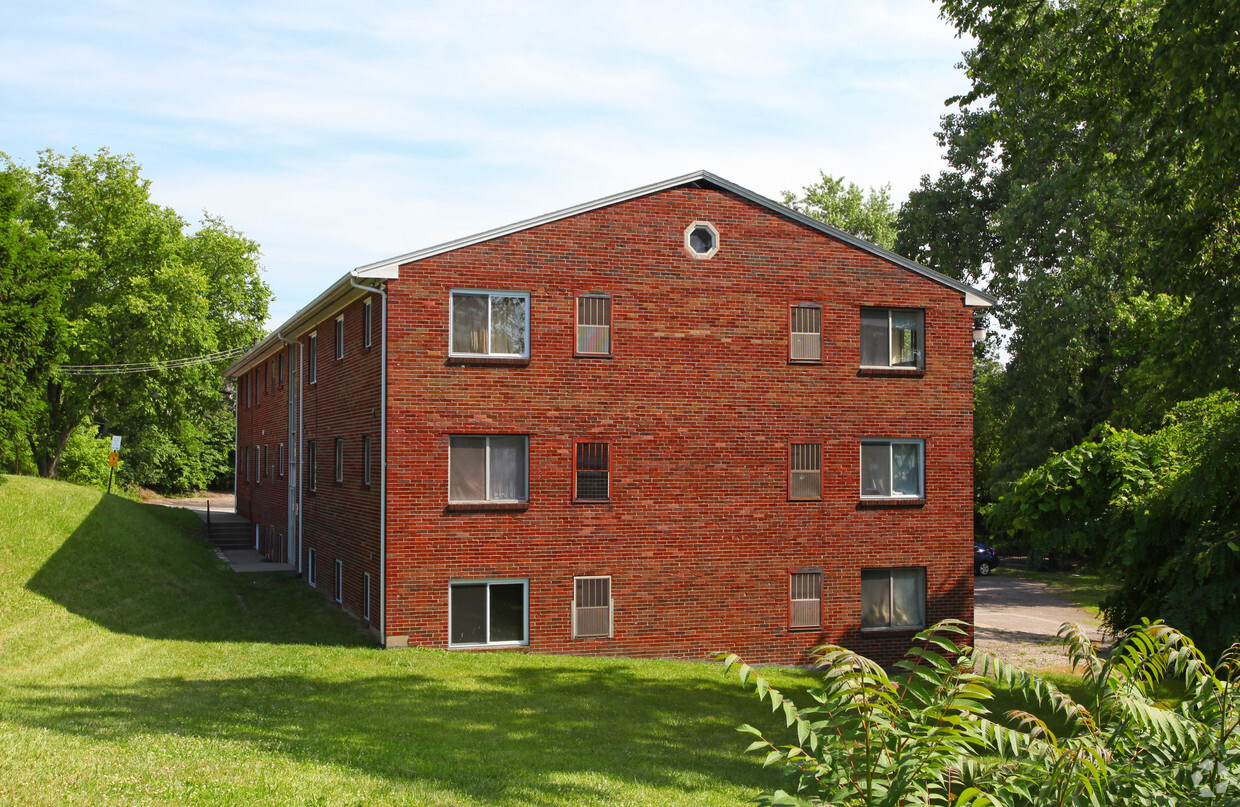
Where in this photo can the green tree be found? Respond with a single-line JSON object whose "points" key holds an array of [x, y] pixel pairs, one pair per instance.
{"points": [[139, 289], [1092, 183], [849, 208], [31, 324]]}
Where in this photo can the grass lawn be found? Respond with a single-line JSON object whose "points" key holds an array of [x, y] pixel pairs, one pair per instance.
{"points": [[137, 669]]}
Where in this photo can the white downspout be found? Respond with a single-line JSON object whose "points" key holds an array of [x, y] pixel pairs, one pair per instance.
{"points": [[382, 455], [300, 423]]}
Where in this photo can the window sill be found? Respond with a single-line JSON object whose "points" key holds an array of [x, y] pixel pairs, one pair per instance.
{"points": [[806, 362], [592, 356], [881, 504], [891, 372], [806, 629], [900, 629], [591, 501], [487, 507], [487, 361]]}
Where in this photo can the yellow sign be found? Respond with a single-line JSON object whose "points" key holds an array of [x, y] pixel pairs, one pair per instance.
{"points": [[113, 458]]}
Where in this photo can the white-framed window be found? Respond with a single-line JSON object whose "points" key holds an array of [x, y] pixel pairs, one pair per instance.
{"points": [[488, 612], [246, 450], [312, 359], [338, 590], [805, 471], [592, 472], [366, 323], [490, 323], [592, 607], [805, 333], [366, 596], [702, 239], [488, 468], [312, 465], [258, 465], [805, 599], [892, 469], [893, 337], [283, 460], [258, 389], [893, 598], [339, 460], [340, 337], [594, 325], [312, 568], [366, 460]]}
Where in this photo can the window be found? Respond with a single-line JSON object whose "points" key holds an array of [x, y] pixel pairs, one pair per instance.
{"points": [[311, 571], [486, 323], [340, 337], [279, 369], [366, 596], [805, 337], [267, 462], [592, 478], [892, 337], [246, 450], [365, 460], [283, 460], [312, 358], [339, 460], [339, 587], [258, 389], [805, 472], [701, 239], [591, 607], [312, 471], [805, 599], [891, 468], [366, 314], [893, 598], [594, 325], [488, 469], [487, 612]]}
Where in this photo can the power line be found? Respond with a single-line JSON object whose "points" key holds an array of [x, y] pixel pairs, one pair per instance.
{"points": [[150, 366]]}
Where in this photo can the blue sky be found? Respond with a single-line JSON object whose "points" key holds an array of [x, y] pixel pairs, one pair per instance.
{"points": [[338, 134]]}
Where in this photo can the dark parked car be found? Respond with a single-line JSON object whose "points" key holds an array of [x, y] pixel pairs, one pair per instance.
{"points": [[985, 559]]}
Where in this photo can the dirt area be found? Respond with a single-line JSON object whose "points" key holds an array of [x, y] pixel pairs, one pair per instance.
{"points": [[218, 502], [1017, 620]]}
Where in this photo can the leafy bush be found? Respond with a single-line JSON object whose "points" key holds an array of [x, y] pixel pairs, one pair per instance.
{"points": [[1158, 510], [927, 738]]}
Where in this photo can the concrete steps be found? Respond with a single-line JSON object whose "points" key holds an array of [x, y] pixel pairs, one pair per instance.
{"points": [[231, 534]]}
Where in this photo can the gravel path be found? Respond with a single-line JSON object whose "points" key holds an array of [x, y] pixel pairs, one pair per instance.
{"points": [[1017, 620]]}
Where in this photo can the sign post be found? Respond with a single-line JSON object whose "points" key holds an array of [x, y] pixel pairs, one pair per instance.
{"points": [[113, 459]]}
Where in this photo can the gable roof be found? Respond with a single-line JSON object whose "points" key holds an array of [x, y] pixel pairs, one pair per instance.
{"points": [[387, 268], [390, 267]]}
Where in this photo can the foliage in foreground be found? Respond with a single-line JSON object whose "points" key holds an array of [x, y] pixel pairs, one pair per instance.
{"points": [[1160, 510], [927, 738]]}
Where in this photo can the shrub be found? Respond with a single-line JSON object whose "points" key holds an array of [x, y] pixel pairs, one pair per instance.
{"points": [[926, 737]]}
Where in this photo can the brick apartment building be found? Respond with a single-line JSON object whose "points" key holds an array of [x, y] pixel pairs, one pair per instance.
{"points": [[672, 421]]}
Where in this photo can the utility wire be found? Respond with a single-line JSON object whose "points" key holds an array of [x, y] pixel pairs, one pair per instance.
{"points": [[149, 366]]}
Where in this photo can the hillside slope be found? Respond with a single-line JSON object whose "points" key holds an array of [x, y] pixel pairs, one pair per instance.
{"points": [[137, 669]]}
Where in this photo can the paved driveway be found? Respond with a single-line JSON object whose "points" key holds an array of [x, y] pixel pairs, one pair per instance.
{"points": [[1017, 620]]}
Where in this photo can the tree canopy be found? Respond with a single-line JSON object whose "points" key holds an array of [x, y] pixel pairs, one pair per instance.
{"points": [[849, 208], [131, 286]]}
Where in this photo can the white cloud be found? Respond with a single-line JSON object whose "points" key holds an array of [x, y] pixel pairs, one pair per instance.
{"points": [[336, 135]]}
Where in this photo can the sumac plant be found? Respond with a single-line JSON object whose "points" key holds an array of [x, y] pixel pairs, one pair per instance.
{"points": [[924, 735]]}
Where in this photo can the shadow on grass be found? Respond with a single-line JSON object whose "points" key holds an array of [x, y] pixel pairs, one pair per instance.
{"points": [[147, 571], [527, 734]]}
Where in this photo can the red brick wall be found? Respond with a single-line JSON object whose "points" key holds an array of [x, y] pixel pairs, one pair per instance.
{"points": [[699, 403], [262, 421], [340, 521]]}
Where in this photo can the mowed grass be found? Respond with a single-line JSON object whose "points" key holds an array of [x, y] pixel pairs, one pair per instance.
{"points": [[137, 669]]}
